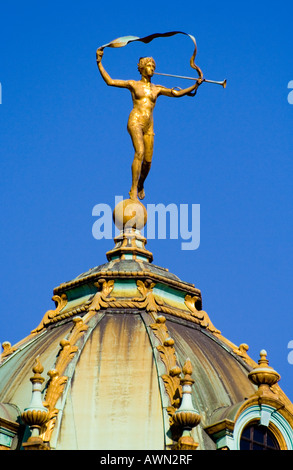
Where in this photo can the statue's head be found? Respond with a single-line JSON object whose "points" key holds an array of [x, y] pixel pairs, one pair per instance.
{"points": [[144, 62]]}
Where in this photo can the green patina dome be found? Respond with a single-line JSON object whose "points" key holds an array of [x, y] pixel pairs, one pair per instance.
{"points": [[113, 352]]}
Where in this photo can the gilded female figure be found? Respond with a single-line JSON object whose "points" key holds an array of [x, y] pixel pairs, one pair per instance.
{"points": [[140, 123]]}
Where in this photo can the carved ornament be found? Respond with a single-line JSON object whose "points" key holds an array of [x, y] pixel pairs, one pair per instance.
{"points": [[191, 303], [51, 315], [7, 350], [57, 380], [168, 356]]}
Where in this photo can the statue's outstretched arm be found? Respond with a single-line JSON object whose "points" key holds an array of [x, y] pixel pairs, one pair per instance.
{"points": [[172, 92], [110, 81]]}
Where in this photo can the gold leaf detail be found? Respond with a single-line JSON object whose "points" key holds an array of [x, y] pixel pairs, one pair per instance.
{"points": [[187, 368], [101, 298], [7, 349], [60, 302], [242, 350], [57, 380], [200, 315], [168, 356]]}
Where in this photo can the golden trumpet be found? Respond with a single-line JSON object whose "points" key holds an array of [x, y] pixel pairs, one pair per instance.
{"points": [[223, 83]]}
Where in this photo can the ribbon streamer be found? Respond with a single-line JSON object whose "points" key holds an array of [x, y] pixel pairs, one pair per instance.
{"points": [[123, 41]]}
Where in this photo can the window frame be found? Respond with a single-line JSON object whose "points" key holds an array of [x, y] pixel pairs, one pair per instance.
{"points": [[268, 416], [266, 431]]}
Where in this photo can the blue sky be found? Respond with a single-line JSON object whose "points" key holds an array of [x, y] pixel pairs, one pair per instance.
{"points": [[64, 148]]}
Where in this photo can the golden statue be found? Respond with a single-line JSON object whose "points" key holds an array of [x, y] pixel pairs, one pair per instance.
{"points": [[140, 123]]}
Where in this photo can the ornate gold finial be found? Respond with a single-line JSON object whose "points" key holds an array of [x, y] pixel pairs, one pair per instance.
{"points": [[263, 375], [130, 214], [37, 370], [186, 417], [187, 371], [36, 414], [130, 217]]}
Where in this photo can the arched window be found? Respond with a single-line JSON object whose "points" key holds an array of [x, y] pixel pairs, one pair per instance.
{"points": [[260, 427], [257, 437]]}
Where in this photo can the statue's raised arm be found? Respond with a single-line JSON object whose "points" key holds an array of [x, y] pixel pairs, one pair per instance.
{"points": [[110, 81]]}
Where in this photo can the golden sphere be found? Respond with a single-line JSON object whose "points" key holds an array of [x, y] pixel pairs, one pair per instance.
{"points": [[129, 214]]}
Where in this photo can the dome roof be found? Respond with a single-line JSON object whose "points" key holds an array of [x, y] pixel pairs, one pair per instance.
{"points": [[113, 352]]}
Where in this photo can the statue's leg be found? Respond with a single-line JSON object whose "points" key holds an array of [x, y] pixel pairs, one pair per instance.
{"points": [[138, 144], [146, 163]]}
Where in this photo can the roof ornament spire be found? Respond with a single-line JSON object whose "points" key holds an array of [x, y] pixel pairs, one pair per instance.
{"points": [[36, 414], [263, 375], [132, 214], [186, 417], [130, 217]]}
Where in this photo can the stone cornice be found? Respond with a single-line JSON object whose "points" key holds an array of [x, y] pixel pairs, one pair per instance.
{"points": [[140, 275]]}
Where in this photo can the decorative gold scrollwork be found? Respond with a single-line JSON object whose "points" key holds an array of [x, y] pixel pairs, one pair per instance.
{"points": [[50, 315], [202, 316], [7, 350], [57, 380], [167, 353]]}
